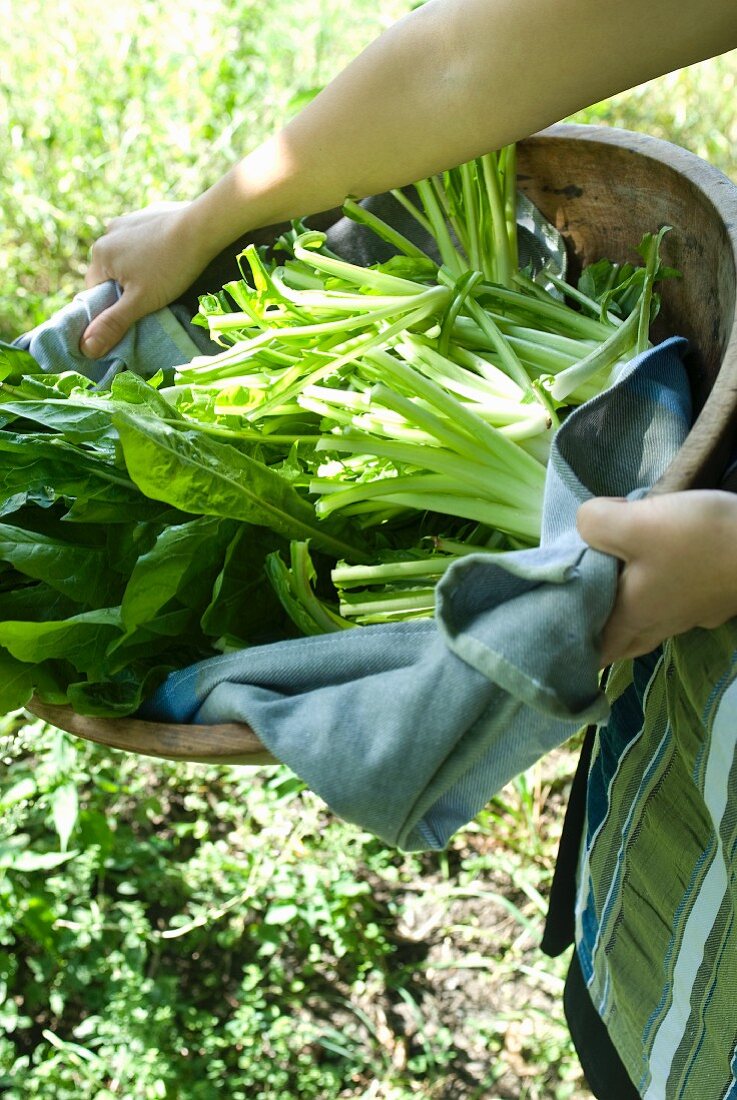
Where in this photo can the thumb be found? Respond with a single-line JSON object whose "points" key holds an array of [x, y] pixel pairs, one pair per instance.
{"points": [[109, 327], [603, 523]]}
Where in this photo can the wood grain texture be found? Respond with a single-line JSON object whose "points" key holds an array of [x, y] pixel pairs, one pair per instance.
{"points": [[603, 189], [229, 743]]}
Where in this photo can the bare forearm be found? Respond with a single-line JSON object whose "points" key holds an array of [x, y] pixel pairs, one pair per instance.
{"points": [[449, 82]]}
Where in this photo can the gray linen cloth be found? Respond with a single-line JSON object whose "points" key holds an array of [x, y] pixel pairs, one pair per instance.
{"points": [[159, 341], [409, 729]]}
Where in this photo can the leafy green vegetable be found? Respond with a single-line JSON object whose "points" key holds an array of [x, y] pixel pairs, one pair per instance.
{"points": [[103, 591], [293, 480], [182, 557], [294, 587], [242, 605], [80, 639], [204, 476], [78, 572], [14, 361], [17, 682]]}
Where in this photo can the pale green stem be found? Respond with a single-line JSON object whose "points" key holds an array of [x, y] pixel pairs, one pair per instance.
{"points": [[605, 355]]}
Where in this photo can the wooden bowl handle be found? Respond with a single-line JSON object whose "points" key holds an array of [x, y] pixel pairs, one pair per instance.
{"points": [[229, 743]]}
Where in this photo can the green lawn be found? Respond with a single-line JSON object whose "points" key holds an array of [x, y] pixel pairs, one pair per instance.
{"points": [[181, 931]]}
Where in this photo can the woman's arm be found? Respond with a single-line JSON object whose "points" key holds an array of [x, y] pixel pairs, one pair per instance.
{"points": [[450, 81]]}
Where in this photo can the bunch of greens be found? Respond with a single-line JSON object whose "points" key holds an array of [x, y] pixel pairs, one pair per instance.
{"points": [[129, 545], [418, 397], [361, 428]]}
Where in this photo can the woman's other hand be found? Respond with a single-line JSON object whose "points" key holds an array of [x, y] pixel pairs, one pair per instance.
{"points": [[154, 255], [679, 571]]}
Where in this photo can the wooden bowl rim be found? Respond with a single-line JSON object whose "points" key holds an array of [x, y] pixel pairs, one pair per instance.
{"points": [[717, 416], [225, 743]]}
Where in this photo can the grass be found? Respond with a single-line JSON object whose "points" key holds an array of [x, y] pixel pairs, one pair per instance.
{"points": [[693, 108], [171, 931], [213, 924]]}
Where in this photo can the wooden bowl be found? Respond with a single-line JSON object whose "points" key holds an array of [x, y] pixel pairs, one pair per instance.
{"points": [[603, 189], [228, 743]]}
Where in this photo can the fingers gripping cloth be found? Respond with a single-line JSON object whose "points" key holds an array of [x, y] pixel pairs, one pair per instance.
{"points": [[154, 343]]}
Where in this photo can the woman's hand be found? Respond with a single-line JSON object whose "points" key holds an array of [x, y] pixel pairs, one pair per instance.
{"points": [[679, 554], [154, 255]]}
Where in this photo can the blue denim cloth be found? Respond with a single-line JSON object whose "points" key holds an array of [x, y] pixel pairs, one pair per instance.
{"points": [[161, 340], [409, 729]]}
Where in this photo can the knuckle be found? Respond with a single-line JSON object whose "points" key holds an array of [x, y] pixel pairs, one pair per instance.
{"points": [[110, 329], [98, 252]]}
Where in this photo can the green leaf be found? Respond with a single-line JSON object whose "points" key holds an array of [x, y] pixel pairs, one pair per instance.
{"points": [[78, 572], [301, 98], [15, 362], [36, 602], [130, 389], [77, 421], [16, 683], [64, 811], [184, 556], [172, 635], [95, 831], [117, 507], [205, 477], [21, 791], [44, 467], [33, 861], [35, 383], [279, 914], [81, 640], [281, 580], [118, 696], [243, 604], [409, 267], [63, 753]]}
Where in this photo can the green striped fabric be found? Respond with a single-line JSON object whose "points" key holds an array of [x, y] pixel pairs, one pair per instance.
{"points": [[656, 920]]}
